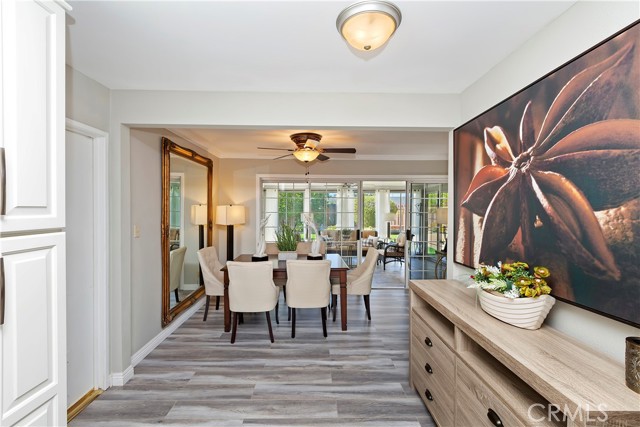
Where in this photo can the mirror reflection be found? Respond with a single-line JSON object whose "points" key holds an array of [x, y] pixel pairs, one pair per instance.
{"points": [[186, 224]]}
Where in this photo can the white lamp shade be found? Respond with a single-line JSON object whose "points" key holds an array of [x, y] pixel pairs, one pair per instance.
{"points": [[442, 215], [230, 215], [199, 214]]}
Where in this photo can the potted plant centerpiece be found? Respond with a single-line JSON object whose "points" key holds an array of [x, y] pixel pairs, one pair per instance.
{"points": [[287, 239], [514, 294]]}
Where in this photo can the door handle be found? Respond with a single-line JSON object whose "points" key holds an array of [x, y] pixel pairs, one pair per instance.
{"points": [[1, 291], [3, 183]]}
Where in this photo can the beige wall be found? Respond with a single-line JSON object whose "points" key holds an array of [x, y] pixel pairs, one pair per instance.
{"points": [[238, 184]]}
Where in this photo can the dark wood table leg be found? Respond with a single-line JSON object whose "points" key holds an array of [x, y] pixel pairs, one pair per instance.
{"points": [[227, 312], [343, 299]]}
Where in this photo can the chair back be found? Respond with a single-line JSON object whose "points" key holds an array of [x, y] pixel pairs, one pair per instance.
{"points": [[359, 281], [308, 284], [304, 248], [176, 261], [251, 287], [211, 274]]}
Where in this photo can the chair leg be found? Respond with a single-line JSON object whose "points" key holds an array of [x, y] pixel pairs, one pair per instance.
{"points": [[234, 327], [206, 308], [269, 324], [175, 292], [384, 262], [334, 303], [323, 313], [289, 314], [217, 302], [241, 318], [293, 323], [367, 306], [277, 307]]}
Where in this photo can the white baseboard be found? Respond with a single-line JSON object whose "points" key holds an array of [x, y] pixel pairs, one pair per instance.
{"points": [[118, 379], [139, 355]]}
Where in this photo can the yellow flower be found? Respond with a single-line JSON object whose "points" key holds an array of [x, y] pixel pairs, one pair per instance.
{"points": [[522, 281], [541, 271], [520, 264]]}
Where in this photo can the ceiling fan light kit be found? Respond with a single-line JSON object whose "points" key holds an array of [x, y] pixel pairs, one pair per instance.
{"points": [[307, 148], [367, 25], [306, 154]]}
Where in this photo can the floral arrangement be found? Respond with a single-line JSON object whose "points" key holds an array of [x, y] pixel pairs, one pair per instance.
{"points": [[513, 280]]}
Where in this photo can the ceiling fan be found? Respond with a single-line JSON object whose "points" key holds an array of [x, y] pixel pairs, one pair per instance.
{"points": [[307, 148]]}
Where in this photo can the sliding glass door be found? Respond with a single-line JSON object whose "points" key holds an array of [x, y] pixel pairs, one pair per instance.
{"points": [[427, 229]]}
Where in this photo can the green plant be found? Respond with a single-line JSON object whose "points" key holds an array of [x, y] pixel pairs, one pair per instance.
{"points": [[512, 280], [287, 237]]}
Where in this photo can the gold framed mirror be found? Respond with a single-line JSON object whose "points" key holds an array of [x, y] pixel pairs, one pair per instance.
{"points": [[187, 216]]}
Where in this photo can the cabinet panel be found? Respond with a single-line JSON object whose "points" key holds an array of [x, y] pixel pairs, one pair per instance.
{"points": [[43, 416], [32, 338], [32, 114]]}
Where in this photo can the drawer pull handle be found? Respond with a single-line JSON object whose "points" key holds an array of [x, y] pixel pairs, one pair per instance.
{"points": [[428, 395], [494, 418], [428, 342], [427, 368]]}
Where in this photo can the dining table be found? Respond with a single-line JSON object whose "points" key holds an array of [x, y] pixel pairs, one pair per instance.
{"points": [[338, 271]]}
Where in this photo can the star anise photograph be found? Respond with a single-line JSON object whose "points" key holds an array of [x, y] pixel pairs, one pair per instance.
{"points": [[551, 176]]}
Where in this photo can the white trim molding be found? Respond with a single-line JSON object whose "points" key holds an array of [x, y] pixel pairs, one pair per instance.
{"points": [[139, 355], [118, 379], [100, 143]]}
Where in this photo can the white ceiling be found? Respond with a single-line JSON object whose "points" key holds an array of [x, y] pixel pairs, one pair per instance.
{"points": [[293, 46]]}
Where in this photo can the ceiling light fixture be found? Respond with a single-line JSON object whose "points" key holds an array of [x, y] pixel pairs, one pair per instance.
{"points": [[367, 25], [306, 154]]}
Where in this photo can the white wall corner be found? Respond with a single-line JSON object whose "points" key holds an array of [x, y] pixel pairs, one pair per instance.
{"points": [[139, 355]]}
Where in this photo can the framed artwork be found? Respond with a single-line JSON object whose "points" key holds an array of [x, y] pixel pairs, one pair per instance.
{"points": [[551, 176]]}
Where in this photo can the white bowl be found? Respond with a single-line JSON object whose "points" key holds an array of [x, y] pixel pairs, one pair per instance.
{"points": [[526, 313]]}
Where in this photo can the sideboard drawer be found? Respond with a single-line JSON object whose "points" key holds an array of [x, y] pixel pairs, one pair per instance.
{"points": [[437, 379], [427, 342], [437, 394], [477, 402]]}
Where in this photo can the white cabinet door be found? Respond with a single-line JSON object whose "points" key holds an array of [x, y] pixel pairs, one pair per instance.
{"points": [[32, 111], [33, 336]]}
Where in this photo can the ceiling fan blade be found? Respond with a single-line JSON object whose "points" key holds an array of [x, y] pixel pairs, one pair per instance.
{"points": [[339, 150], [282, 157], [322, 157], [268, 148]]}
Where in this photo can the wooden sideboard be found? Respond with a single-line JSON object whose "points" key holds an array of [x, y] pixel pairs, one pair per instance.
{"points": [[473, 370]]}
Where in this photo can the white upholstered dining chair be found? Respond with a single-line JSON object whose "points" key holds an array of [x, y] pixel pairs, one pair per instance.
{"points": [[213, 278], [308, 286], [176, 262], [251, 290], [358, 282]]}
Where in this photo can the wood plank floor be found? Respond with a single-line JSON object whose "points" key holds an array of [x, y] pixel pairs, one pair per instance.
{"points": [[196, 377]]}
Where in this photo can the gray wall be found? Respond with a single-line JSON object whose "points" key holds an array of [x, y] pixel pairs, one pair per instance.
{"points": [[87, 101], [146, 254]]}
